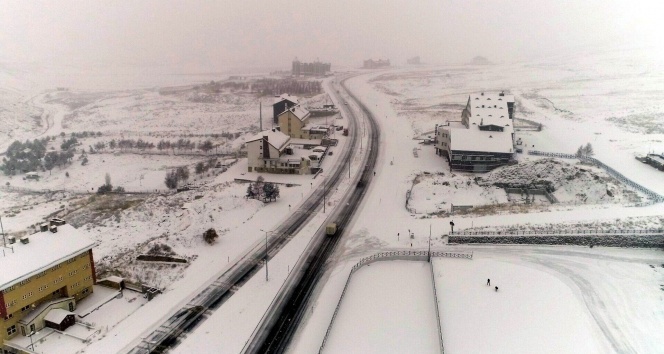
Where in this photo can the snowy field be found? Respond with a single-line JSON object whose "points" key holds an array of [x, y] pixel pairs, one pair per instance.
{"points": [[388, 308]]}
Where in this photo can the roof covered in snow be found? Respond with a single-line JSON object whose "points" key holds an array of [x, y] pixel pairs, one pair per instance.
{"points": [[486, 98], [57, 315], [275, 138], [44, 250], [489, 110], [474, 139], [287, 97], [298, 111]]}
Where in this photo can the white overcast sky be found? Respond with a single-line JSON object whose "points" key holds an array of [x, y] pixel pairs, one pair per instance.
{"points": [[214, 35]]}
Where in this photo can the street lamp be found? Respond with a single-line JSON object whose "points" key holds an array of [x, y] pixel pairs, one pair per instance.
{"points": [[32, 344], [266, 272]]}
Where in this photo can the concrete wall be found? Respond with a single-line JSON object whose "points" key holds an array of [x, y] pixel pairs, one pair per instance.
{"points": [[645, 241]]}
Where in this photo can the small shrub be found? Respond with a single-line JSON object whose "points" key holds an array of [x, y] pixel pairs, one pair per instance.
{"points": [[210, 236]]}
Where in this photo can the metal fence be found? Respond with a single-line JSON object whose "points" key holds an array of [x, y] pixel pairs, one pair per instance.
{"points": [[567, 232], [654, 197], [389, 256]]}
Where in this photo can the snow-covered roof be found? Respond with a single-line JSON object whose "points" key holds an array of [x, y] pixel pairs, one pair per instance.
{"points": [[298, 111], [474, 139], [274, 137], [306, 142], [486, 98], [45, 250], [287, 97], [57, 315], [488, 110]]}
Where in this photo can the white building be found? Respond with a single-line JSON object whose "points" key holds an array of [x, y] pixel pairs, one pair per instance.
{"points": [[272, 151], [484, 137]]}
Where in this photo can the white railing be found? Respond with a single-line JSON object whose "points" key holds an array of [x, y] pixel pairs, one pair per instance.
{"points": [[389, 256]]}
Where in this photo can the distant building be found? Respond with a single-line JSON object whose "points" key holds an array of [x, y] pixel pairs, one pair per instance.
{"points": [[42, 277], [310, 69], [283, 103], [414, 61], [374, 64], [484, 137], [272, 151], [480, 60], [294, 123]]}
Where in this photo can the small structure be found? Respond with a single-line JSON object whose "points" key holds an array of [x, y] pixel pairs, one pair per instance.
{"points": [[113, 282], [293, 122], [59, 319], [32, 175]]}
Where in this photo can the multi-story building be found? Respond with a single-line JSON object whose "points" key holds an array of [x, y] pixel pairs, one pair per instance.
{"points": [[484, 137], [374, 64], [310, 69], [283, 103], [44, 272], [294, 123], [271, 151]]}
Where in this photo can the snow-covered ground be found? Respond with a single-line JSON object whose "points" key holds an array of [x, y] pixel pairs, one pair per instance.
{"points": [[388, 308], [575, 98]]}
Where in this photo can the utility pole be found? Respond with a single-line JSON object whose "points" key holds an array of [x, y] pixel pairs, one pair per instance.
{"points": [[266, 271], [429, 244], [260, 115], [324, 192]]}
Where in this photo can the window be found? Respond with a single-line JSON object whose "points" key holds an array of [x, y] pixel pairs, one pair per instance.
{"points": [[75, 285], [86, 290], [23, 282], [9, 289], [25, 308], [73, 272], [57, 267], [71, 260], [25, 296], [40, 274], [11, 330], [42, 288], [12, 303], [59, 279], [9, 316], [86, 266]]}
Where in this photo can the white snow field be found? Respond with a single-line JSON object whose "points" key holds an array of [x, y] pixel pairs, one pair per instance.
{"points": [[388, 308]]}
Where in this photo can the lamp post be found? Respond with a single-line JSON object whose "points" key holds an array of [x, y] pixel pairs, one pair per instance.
{"points": [[32, 344], [324, 192], [266, 270]]}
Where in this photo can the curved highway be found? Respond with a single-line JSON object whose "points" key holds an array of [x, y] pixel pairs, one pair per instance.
{"points": [[279, 325], [187, 318]]}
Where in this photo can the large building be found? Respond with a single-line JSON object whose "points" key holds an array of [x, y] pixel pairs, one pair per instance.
{"points": [[310, 69], [294, 122], [484, 137], [375, 64], [271, 151], [42, 276], [283, 103]]}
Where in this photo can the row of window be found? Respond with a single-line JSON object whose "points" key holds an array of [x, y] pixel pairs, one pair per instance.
{"points": [[474, 158], [11, 330], [27, 295], [41, 274]]}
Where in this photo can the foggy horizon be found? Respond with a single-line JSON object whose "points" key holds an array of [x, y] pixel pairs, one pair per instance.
{"points": [[212, 37]]}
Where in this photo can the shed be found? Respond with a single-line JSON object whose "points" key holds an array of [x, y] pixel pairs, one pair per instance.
{"points": [[59, 319]]}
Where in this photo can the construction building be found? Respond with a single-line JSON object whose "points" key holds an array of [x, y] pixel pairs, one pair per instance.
{"points": [[42, 277], [310, 69], [375, 64]]}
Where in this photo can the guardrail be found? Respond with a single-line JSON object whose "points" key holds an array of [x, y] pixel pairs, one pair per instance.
{"points": [[655, 197], [390, 256]]}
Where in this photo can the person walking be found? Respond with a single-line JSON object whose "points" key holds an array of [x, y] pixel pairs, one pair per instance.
{"points": [[496, 289], [488, 282]]}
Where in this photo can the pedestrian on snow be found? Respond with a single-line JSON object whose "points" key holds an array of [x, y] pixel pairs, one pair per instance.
{"points": [[496, 289], [488, 282]]}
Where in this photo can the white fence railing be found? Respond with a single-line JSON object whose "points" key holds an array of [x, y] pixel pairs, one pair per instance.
{"points": [[389, 256], [570, 232], [654, 197]]}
